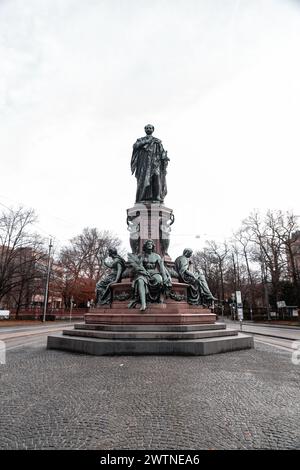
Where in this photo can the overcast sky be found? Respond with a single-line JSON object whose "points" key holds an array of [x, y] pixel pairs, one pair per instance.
{"points": [[219, 79]]}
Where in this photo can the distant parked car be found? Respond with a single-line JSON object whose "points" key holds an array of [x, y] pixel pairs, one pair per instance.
{"points": [[4, 314]]}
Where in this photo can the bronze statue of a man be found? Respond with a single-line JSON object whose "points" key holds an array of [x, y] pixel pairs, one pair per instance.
{"points": [[149, 164]]}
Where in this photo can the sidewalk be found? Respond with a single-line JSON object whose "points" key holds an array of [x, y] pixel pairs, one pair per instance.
{"points": [[275, 331], [17, 332], [58, 400], [269, 325]]}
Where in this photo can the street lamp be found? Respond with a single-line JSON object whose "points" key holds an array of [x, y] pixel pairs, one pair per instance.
{"points": [[71, 306], [47, 281]]}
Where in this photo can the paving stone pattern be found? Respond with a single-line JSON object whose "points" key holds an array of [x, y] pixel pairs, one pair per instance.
{"points": [[239, 400]]}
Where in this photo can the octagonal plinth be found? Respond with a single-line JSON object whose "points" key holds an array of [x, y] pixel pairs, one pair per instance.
{"points": [[150, 221], [196, 340]]}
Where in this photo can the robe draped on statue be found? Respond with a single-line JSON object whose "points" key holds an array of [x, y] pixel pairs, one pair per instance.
{"points": [[149, 162]]}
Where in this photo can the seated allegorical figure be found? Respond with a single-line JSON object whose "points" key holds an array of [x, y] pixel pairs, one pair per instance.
{"points": [[150, 276], [117, 266], [198, 292]]}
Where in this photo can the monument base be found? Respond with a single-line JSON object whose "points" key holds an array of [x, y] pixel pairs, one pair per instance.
{"points": [[157, 314], [172, 327], [150, 339]]}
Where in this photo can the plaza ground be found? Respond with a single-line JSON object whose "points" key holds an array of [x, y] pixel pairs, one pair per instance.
{"points": [[58, 400]]}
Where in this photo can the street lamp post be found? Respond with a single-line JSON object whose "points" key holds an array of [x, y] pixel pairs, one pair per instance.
{"points": [[71, 307], [47, 281]]}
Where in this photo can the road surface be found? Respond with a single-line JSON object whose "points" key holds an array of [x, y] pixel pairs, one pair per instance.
{"points": [[32, 335], [280, 337]]}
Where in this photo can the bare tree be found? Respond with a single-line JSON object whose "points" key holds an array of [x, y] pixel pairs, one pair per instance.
{"points": [[20, 251], [84, 259], [261, 260], [287, 231], [203, 260], [219, 253], [272, 239], [243, 239]]}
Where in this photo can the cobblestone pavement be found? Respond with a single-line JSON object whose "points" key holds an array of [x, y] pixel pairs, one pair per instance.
{"points": [[240, 400]]}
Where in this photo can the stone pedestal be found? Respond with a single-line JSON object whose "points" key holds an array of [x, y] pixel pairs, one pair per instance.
{"points": [[155, 339], [170, 327], [164, 314], [150, 221], [173, 308]]}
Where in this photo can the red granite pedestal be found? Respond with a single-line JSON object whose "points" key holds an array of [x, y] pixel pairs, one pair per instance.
{"points": [[167, 312]]}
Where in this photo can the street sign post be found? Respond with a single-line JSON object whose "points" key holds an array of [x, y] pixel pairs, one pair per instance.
{"points": [[239, 306], [238, 297]]}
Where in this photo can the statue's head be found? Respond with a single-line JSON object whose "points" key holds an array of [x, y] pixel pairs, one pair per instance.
{"points": [[149, 129], [112, 252], [187, 252], [149, 245]]}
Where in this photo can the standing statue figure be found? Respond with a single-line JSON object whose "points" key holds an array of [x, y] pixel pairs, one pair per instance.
{"points": [[134, 227], [198, 292], [150, 276], [149, 164], [117, 266], [165, 230]]}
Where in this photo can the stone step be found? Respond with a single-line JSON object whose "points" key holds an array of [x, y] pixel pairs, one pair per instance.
{"points": [[108, 347], [151, 308], [150, 335], [161, 309], [146, 318], [104, 327]]}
